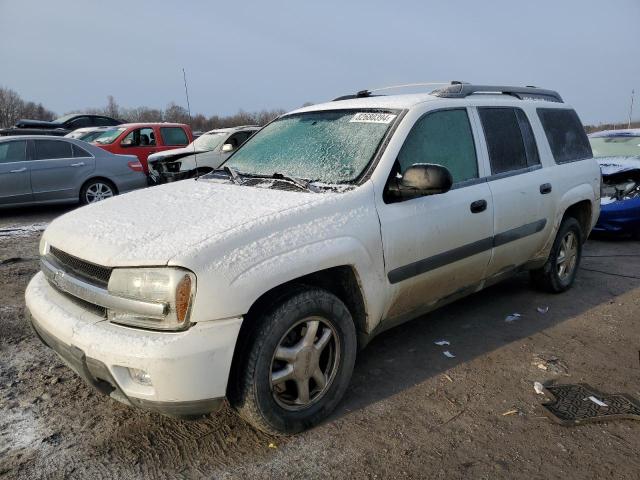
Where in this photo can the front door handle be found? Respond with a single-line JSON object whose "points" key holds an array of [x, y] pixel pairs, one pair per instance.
{"points": [[20, 170], [79, 164], [545, 188], [478, 206]]}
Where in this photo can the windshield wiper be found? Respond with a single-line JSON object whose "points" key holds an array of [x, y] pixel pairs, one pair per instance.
{"points": [[304, 184], [233, 175]]}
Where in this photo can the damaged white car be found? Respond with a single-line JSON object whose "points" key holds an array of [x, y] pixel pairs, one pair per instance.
{"points": [[203, 155], [259, 282]]}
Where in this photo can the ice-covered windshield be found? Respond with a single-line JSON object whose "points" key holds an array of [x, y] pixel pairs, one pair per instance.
{"points": [[108, 136], [208, 141], [327, 146], [622, 146]]}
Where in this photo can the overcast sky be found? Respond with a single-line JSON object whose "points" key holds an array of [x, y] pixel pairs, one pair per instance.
{"points": [[280, 54]]}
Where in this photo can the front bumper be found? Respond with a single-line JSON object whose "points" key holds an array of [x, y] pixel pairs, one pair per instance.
{"points": [[189, 370], [160, 177], [619, 217]]}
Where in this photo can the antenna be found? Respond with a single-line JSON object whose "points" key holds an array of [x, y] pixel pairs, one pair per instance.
{"points": [[633, 92], [186, 92]]}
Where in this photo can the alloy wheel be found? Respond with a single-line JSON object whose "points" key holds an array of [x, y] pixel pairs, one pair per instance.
{"points": [[567, 256], [98, 191], [305, 363]]}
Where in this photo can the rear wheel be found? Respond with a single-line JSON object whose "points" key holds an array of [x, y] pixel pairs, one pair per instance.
{"points": [[97, 190], [297, 364], [559, 272]]}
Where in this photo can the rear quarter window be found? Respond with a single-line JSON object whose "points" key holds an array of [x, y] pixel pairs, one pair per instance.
{"points": [[174, 136], [565, 134]]}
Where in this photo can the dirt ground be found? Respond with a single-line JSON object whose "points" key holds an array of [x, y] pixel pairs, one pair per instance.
{"points": [[410, 412]]}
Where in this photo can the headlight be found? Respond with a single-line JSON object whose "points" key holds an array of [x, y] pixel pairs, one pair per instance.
{"points": [[173, 287], [43, 248]]}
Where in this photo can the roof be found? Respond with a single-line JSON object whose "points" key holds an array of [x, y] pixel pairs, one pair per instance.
{"points": [[233, 129], [627, 132], [146, 124], [406, 101]]}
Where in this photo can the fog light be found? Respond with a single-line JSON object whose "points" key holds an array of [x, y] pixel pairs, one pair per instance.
{"points": [[140, 376]]}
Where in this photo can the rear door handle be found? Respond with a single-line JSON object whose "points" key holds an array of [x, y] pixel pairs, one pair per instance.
{"points": [[79, 164], [545, 188], [20, 170], [478, 206]]}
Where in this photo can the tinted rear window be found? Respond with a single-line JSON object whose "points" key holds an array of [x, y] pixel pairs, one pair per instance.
{"points": [[80, 152], [50, 149], [565, 133], [506, 146], [173, 136], [13, 151]]}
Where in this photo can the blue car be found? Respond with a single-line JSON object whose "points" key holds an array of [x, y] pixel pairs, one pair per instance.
{"points": [[618, 153]]}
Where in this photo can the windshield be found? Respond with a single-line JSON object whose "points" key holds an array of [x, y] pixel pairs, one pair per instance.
{"points": [[64, 118], [622, 146], [108, 136], [208, 141], [325, 146]]}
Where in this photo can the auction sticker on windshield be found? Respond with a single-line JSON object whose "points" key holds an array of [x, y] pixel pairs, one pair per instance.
{"points": [[373, 117]]}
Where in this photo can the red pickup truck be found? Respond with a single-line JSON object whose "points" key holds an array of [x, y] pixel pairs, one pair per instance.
{"points": [[143, 139]]}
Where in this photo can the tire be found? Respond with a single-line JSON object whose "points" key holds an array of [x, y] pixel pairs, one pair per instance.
{"points": [[281, 349], [552, 277], [97, 190]]}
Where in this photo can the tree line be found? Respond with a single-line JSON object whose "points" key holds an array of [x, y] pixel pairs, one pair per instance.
{"points": [[13, 108]]}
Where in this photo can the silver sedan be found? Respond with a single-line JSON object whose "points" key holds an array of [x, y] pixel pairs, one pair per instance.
{"points": [[37, 169]]}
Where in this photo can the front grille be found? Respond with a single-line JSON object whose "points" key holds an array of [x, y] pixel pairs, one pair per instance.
{"points": [[91, 307], [96, 274]]}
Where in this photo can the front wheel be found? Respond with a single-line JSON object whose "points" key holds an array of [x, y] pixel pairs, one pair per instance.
{"points": [[559, 272], [297, 364]]}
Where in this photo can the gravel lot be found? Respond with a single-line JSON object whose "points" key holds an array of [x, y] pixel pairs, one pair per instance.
{"points": [[410, 411]]}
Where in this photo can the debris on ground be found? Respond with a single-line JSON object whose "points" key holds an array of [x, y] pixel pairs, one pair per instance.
{"points": [[510, 412], [550, 363], [600, 403], [447, 353], [543, 310], [579, 403], [22, 230], [442, 343], [537, 386], [272, 445], [513, 317], [448, 378]]}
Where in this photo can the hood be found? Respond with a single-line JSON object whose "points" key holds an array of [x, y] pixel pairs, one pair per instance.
{"points": [[174, 154], [614, 165], [36, 124], [149, 227]]}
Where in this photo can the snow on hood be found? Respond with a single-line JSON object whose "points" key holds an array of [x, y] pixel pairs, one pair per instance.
{"points": [[611, 165], [151, 226], [175, 152]]}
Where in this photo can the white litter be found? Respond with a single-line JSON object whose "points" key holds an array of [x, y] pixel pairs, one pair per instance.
{"points": [[447, 353], [22, 230], [600, 403], [542, 310], [513, 317], [537, 386], [442, 343]]}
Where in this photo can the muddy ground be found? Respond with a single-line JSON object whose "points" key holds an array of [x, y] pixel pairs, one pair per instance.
{"points": [[410, 412]]}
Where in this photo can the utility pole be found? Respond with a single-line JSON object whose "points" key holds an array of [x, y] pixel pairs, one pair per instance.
{"points": [[631, 108]]}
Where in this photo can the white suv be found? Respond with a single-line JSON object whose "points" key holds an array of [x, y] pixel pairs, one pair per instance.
{"points": [[260, 281]]}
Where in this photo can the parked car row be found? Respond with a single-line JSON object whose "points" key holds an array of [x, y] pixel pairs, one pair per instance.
{"points": [[260, 282]]}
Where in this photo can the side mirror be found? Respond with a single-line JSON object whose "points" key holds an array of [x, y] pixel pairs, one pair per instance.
{"points": [[421, 179], [227, 147]]}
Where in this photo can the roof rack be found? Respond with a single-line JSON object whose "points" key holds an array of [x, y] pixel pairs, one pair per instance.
{"points": [[457, 89], [462, 90]]}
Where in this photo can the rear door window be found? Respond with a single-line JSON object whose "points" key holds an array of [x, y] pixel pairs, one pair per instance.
{"points": [[174, 136], [52, 149], [80, 152], [505, 141], [444, 138], [565, 133], [13, 151]]}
